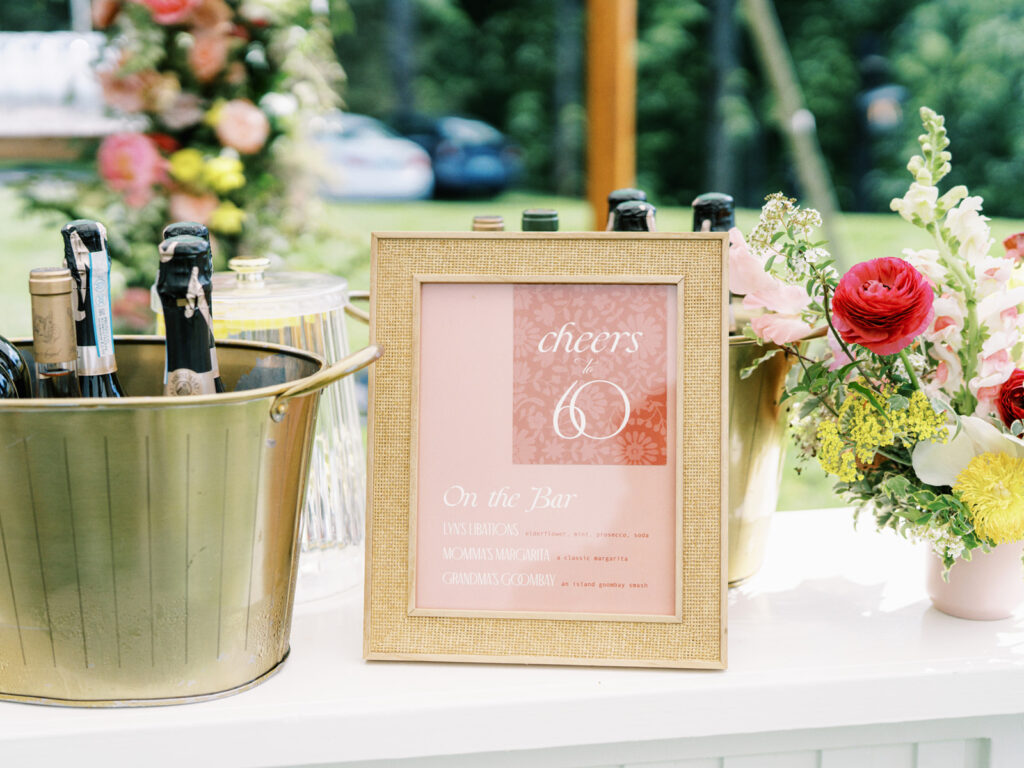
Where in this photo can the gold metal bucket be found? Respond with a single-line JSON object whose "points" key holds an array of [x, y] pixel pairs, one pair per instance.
{"points": [[148, 545], [757, 428]]}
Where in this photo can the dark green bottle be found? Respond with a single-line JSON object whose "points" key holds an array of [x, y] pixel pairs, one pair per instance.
{"points": [[195, 229], [617, 196], [14, 367], [715, 211], [540, 220], [85, 255], [634, 216]]}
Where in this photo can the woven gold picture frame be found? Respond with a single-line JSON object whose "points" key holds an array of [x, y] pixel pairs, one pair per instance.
{"points": [[694, 635]]}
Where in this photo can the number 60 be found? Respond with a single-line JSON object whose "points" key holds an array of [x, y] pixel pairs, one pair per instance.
{"points": [[578, 417]]}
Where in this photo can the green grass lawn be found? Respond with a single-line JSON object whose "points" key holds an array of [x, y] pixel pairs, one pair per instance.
{"points": [[30, 240]]}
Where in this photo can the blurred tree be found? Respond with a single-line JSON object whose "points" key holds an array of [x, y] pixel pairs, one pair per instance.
{"points": [[966, 60], [34, 15]]}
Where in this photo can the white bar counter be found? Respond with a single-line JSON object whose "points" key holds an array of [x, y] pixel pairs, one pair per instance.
{"points": [[836, 660]]}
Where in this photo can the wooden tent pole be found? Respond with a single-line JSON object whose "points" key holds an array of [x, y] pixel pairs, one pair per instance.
{"points": [[611, 101]]}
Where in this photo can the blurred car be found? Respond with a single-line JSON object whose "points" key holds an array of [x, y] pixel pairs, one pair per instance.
{"points": [[470, 156], [366, 159]]}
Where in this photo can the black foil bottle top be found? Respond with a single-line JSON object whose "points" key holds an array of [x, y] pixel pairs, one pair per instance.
{"points": [[633, 216], [624, 195], [540, 220], [178, 256], [93, 238], [716, 207]]}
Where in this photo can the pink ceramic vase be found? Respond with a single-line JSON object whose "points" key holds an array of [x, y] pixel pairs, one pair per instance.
{"points": [[988, 586]]}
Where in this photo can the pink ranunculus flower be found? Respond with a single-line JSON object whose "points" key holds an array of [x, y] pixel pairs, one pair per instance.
{"points": [[169, 11], [185, 207], [780, 329], [208, 54], [131, 164], [242, 126]]}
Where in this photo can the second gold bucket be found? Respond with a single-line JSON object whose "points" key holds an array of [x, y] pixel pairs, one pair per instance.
{"points": [[757, 429]]}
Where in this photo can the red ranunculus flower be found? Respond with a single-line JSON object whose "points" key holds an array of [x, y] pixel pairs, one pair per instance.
{"points": [[1011, 398], [883, 305]]}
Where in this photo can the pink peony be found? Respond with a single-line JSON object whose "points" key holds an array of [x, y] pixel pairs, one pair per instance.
{"points": [[242, 126], [208, 55], [780, 329], [131, 164], [169, 11], [184, 207]]}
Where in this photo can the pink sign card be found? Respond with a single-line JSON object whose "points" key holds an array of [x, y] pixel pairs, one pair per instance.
{"points": [[546, 469]]}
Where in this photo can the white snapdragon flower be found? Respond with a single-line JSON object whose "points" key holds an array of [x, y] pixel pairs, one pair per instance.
{"points": [[948, 324], [970, 228], [926, 261], [918, 205]]}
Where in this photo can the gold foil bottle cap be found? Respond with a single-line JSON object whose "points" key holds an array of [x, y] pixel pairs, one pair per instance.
{"points": [[488, 224], [49, 281], [53, 326]]}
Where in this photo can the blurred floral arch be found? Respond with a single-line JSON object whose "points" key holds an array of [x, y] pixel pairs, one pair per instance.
{"points": [[215, 95]]}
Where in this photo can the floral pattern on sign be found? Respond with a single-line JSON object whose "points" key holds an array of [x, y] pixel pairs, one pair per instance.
{"points": [[590, 374]]}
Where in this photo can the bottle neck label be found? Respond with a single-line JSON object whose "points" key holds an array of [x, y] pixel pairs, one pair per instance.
{"points": [[91, 363], [99, 295], [183, 382]]}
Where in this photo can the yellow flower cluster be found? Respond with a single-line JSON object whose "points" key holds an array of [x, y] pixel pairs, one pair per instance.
{"points": [[227, 218], [855, 437], [222, 174], [992, 487]]}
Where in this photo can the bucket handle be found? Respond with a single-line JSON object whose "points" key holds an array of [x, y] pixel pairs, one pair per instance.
{"points": [[339, 370], [352, 311]]}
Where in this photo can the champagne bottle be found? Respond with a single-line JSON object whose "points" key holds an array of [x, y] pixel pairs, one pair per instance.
{"points": [[13, 365], [85, 255], [488, 224], [195, 229], [540, 220], [189, 335], [625, 195], [53, 332], [8, 390], [713, 212], [634, 216]]}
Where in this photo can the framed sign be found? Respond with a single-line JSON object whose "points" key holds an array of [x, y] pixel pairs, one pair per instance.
{"points": [[547, 475]]}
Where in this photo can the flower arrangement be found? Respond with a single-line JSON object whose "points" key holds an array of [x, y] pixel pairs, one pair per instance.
{"points": [[913, 404], [217, 93]]}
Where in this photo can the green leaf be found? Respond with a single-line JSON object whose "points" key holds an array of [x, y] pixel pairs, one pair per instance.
{"points": [[869, 396], [745, 373], [899, 403], [1017, 427]]}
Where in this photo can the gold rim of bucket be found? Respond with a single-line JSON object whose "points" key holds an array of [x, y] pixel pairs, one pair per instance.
{"points": [[282, 393], [139, 703]]}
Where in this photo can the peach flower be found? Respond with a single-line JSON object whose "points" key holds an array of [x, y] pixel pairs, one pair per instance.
{"points": [[185, 111], [208, 54], [104, 12], [169, 11], [130, 164], [242, 126], [184, 207], [211, 13]]}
